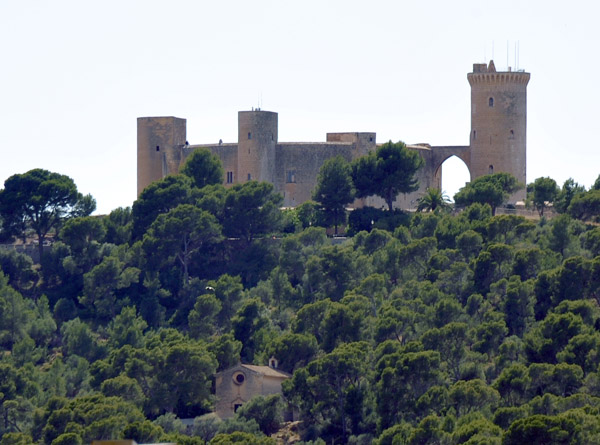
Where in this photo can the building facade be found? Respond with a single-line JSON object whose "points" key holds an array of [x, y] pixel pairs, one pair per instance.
{"points": [[237, 385], [497, 144]]}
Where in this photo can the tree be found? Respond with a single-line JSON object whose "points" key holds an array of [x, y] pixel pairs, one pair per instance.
{"points": [[586, 206], [542, 429], [159, 197], [79, 233], [569, 190], [334, 190], [181, 233], [432, 200], [202, 319], [386, 172], [203, 168], [14, 314], [39, 200], [251, 209], [331, 389], [494, 189], [541, 191], [267, 411]]}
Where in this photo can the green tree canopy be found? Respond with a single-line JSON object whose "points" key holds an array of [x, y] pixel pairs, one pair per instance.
{"points": [[159, 197], [181, 233], [387, 172], [334, 190], [494, 189], [203, 168], [569, 190], [251, 209], [39, 200], [541, 192]]}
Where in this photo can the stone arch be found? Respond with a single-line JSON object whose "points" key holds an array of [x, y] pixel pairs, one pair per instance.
{"points": [[455, 175], [441, 155]]}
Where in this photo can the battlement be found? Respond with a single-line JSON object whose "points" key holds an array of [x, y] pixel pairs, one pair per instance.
{"points": [[503, 77], [487, 74]]}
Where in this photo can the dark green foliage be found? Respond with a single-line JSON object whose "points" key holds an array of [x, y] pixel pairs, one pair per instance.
{"points": [[40, 200], [18, 268], [387, 172], [586, 206], [142, 432], [203, 168], [159, 197], [118, 226], [422, 328], [251, 210], [541, 429], [334, 190], [267, 411], [494, 190], [542, 192]]}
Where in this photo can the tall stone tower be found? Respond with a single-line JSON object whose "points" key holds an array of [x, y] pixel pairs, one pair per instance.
{"points": [[159, 142], [498, 122], [257, 140]]}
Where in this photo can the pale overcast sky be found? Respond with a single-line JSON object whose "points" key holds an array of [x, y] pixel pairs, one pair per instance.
{"points": [[75, 75]]}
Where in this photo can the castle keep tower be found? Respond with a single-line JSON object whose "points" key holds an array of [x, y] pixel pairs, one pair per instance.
{"points": [[498, 122], [159, 142], [257, 139]]}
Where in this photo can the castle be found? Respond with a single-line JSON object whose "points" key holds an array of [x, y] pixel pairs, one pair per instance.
{"points": [[497, 144]]}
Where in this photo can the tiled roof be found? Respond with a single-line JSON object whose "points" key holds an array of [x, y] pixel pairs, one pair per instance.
{"points": [[266, 370]]}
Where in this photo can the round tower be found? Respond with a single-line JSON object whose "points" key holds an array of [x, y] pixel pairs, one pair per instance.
{"points": [[499, 123], [257, 139]]}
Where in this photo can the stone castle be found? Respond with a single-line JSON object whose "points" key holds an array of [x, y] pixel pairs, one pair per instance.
{"points": [[497, 144]]}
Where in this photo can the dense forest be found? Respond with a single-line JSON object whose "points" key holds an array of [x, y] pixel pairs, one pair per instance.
{"points": [[442, 326]]}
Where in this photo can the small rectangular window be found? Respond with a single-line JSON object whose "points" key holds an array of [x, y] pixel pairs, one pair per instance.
{"points": [[157, 148], [249, 177], [249, 135], [290, 176], [229, 177]]}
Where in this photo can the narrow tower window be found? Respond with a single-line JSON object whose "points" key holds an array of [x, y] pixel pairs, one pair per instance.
{"points": [[290, 176], [512, 134], [157, 148], [249, 177], [491, 102], [249, 135], [491, 169], [229, 177], [474, 134]]}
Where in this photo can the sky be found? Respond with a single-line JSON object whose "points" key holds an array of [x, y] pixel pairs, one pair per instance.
{"points": [[75, 76]]}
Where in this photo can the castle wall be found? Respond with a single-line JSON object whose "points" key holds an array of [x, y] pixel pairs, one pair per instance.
{"points": [[497, 144], [298, 164], [227, 153], [363, 142], [158, 153]]}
